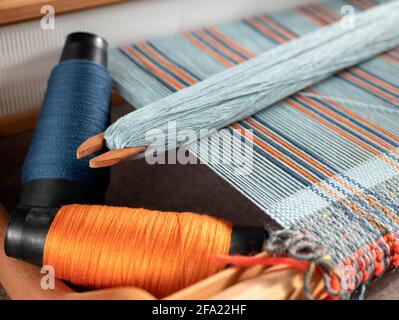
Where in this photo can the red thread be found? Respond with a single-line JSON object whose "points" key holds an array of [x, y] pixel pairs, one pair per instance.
{"points": [[242, 261]]}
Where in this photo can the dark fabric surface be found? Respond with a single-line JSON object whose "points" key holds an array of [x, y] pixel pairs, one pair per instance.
{"points": [[163, 187]]}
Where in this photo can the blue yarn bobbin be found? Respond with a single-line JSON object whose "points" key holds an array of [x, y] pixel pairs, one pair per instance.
{"points": [[76, 107]]}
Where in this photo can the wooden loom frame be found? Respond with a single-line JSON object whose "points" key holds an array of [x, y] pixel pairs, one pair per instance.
{"points": [[23, 281]]}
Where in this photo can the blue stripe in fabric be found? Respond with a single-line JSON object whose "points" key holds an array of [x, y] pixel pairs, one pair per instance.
{"points": [[272, 29], [277, 163], [306, 151], [260, 32], [357, 122], [210, 46], [296, 144], [375, 84], [149, 72], [302, 163], [172, 61], [282, 150], [365, 90], [344, 128], [160, 66], [224, 44], [281, 25]]}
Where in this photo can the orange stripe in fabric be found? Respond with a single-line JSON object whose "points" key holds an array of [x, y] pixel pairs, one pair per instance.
{"points": [[301, 11], [324, 13], [288, 34], [161, 252], [275, 153], [362, 4], [207, 50], [332, 127], [218, 46], [360, 118], [319, 167], [289, 147], [340, 119], [329, 15], [166, 63], [230, 42], [388, 58], [342, 182], [266, 31], [369, 87], [154, 69], [375, 80], [340, 132]]}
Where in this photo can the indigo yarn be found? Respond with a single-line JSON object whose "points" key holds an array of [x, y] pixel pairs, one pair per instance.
{"points": [[76, 106]]}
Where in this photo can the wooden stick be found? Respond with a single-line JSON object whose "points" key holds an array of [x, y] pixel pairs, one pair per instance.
{"points": [[109, 158], [93, 144], [112, 157]]}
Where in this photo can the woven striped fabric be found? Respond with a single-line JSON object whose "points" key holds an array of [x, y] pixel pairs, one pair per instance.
{"points": [[326, 160]]}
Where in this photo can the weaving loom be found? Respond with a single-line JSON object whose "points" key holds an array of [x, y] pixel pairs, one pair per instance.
{"points": [[325, 160]]}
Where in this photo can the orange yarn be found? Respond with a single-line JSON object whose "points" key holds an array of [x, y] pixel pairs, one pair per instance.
{"points": [[161, 252]]}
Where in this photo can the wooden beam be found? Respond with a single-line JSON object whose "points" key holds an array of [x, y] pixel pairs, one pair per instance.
{"points": [[13, 11]]}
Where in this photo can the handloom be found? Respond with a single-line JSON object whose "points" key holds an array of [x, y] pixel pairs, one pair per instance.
{"points": [[286, 155], [325, 166]]}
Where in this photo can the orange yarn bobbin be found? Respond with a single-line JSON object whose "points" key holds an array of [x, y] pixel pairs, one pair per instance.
{"points": [[161, 252]]}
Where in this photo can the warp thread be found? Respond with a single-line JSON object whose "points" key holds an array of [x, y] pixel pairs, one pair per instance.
{"points": [[244, 90]]}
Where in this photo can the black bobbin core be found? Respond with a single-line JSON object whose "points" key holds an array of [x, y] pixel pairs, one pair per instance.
{"points": [[41, 198]]}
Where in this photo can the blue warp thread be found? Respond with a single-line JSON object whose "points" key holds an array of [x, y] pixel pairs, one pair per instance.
{"points": [[76, 106]]}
